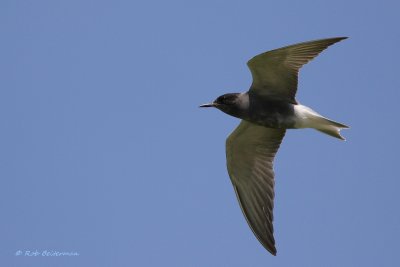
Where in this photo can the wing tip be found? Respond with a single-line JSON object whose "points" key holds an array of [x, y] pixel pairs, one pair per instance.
{"points": [[326, 42], [336, 39], [342, 38], [273, 251], [269, 245]]}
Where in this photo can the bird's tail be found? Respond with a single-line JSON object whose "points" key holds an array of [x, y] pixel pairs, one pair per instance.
{"points": [[329, 127], [308, 118]]}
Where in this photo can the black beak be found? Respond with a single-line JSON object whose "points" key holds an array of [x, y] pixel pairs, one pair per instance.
{"points": [[207, 105]]}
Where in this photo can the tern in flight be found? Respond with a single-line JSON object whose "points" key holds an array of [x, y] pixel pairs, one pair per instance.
{"points": [[266, 110]]}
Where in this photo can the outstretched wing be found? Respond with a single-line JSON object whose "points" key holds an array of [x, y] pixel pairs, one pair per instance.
{"points": [[275, 72], [250, 151]]}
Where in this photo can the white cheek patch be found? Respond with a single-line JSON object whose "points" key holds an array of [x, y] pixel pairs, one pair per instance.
{"points": [[243, 101]]}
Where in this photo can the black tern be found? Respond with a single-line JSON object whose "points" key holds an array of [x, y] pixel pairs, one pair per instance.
{"points": [[267, 109]]}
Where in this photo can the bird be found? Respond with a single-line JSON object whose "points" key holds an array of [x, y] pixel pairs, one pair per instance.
{"points": [[266, 111]]}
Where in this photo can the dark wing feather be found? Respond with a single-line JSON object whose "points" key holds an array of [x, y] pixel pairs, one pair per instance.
{"points": [[275, 72], [250, 151]]}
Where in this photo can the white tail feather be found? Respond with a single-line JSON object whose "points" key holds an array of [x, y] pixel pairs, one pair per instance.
{"points": [[308, 118]]}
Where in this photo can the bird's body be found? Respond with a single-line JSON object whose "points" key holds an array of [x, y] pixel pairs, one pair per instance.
{"points": [[262, 111], [272, 113], [267, 110]]}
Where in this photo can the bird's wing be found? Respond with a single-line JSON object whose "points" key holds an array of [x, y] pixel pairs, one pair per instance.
{"points": [[275, 72], [250, 151]]}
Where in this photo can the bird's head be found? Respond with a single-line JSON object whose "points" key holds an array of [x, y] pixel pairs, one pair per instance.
{"points": [[228, 103]]}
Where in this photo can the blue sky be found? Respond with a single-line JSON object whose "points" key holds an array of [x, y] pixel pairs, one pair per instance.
{"points": [[104, 150]]}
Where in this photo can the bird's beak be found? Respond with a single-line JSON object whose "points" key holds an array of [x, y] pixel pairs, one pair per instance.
{"points": [[207, 105]]}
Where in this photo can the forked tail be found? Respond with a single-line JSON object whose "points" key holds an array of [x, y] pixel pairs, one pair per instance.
{"points": [[329, 127], [308, 118]]}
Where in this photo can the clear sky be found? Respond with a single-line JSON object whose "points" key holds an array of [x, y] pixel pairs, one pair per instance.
{"points": [[104, 151]]}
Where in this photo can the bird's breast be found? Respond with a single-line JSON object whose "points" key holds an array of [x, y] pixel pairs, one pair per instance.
{"points": [[272, 114]]}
